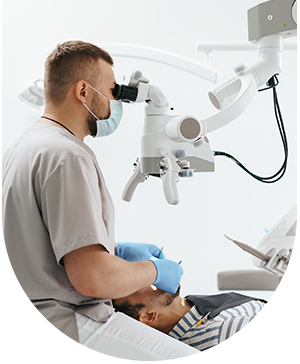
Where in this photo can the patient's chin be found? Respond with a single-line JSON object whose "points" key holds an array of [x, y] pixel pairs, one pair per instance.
{"points": [[171, 297]]}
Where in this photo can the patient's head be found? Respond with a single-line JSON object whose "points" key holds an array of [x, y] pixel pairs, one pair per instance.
{"points": [[153, 307], [149, 296]]}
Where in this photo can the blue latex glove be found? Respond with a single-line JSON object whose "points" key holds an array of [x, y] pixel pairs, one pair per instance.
{"points": [[168, 275], [135, 252]]}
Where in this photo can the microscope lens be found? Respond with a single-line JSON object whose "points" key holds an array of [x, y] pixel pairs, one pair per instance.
{"points": [[125, 93], [116, 92]]}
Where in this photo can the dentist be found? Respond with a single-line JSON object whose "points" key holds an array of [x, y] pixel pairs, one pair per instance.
{"points": [[58, 216]]}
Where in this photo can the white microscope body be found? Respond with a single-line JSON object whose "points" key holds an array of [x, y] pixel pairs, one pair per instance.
{"points": [[174, 147], [171, 146]]}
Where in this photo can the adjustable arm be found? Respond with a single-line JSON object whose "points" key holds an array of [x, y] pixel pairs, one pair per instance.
{"points": [[268, 24], [234, 96]]}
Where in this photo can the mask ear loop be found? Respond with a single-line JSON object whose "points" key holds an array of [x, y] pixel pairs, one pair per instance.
{"points": [[90, 111], [99, 92]]}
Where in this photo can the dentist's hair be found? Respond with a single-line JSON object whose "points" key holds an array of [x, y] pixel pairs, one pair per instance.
{"points": [[69, 63]]}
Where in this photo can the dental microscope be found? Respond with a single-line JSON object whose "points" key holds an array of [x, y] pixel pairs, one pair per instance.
{"points": [[170, 145], [175, 146]]}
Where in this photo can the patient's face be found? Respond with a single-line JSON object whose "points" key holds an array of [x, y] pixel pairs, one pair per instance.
{"points": [[147, 295]]}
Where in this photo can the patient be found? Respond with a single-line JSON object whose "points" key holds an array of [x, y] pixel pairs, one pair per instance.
{"points": [[181, 318]]}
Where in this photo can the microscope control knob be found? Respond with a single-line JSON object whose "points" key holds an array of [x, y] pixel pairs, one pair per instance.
{"points": [[239, 68], [186, 173], [180, 154]]}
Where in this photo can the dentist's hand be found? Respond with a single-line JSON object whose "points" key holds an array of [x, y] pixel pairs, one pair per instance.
{"points": [[135, 252], [168, 275]]}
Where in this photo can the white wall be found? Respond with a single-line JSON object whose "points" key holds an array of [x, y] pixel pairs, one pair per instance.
{"points": [[227, 201]]}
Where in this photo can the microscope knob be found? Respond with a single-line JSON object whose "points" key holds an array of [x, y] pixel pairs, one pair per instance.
{"points": [[239, 68], [137, 74], [180, 154], [184, 173]]}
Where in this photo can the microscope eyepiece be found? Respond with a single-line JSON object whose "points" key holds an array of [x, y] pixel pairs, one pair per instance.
{"points": [[125, 93]]}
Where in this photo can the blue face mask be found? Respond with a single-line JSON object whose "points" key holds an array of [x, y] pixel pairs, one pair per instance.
{"points": [[108, 126]]}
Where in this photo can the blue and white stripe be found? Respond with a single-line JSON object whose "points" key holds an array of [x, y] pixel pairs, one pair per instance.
{"points": [[244, 333]]}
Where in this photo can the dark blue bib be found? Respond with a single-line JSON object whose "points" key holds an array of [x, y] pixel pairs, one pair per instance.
{"points": [[220, 302]]}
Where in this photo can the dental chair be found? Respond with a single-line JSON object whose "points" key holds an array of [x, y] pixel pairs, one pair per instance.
{"points": [[254, 280]]}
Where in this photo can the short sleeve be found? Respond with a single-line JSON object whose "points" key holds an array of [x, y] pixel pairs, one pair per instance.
{"points": [[72, 207]]}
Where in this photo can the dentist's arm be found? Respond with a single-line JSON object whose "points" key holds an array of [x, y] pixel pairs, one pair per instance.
{"points": [[94, 272]]}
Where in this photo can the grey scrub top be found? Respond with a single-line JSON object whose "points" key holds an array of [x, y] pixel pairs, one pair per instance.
{"points": [[55, 200]]}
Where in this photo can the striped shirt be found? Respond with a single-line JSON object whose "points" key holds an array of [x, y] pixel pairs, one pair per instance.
{"points": [[243, 333]]}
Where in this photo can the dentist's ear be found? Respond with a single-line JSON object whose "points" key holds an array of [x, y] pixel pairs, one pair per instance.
{"points": [[148, 317], [80, 90]]}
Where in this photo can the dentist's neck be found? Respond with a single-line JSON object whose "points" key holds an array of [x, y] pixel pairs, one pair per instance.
{"points": [[70, 116]]}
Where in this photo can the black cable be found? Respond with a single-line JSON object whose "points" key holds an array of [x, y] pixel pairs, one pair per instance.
{"points": [[272, 84]]}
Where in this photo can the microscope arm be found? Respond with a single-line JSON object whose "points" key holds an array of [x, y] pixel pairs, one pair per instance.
{"points": [[268, 24], [233, 97], [246, 94]]}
